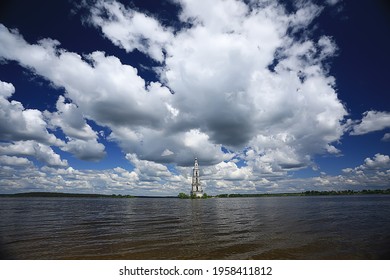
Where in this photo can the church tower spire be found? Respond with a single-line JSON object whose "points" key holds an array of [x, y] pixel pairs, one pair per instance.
{"points": [[196, 186]]}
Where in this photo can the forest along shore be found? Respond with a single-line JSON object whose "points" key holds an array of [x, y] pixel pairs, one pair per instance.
{"points": [[89, 195]]}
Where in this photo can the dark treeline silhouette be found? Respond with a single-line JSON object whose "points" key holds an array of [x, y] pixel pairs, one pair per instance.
{"points": [[309, 193], [185, 196], [58, 194]]}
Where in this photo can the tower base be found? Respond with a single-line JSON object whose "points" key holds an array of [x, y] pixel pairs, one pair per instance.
{"points": [[197, 193]]}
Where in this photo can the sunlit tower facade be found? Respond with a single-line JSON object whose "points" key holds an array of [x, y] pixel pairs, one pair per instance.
{"points": [[196, 186]]}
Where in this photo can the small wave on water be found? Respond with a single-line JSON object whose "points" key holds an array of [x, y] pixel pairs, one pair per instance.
{"points": [[233, 228]]}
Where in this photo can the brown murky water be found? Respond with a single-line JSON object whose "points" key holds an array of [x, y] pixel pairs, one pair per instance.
{"points": [[332, 227]]}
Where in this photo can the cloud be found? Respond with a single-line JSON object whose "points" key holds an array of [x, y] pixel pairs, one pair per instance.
{"points": [[71, 120], [244, 79], [89, 150], [150, 144], [148, 178], [81, 139], [373, 173], [219, 70], [378, 162], [371, 168], [371, 121], [130, 29], [227, 171], [14, 161], [40, 151], [110, 92], [18, 123], [24, 132], [147, 169], [6, 89], [67, 179], [386, 137], [224, 70], [167, 152], [333, 2]]}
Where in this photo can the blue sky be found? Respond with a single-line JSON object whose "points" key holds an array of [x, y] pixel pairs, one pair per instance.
{"points": [[119, 97]]}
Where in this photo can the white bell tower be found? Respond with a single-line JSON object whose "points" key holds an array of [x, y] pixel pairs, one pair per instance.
{"points": [[196, 186]]}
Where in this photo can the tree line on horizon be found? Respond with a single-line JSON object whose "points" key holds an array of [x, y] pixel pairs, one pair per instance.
{"points": [[60, 194], [306, 193], [186, 196]]}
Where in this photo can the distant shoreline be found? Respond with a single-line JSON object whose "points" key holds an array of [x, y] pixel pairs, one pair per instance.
{"points": [[307, 193], [59, 194]]}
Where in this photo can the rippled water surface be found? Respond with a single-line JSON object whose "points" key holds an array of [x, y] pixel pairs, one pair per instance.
{"points": [[331, 227]]}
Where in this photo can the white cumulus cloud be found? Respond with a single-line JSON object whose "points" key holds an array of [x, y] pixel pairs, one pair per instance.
{"points": [[236, 75], [14, 161], [71, 120], [6, 89], [371, 121], [130, 29], [18, 123], [40, 151], [379, 161]]}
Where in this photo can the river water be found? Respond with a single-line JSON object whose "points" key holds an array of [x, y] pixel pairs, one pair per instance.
{"points": [[328, 227]]}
